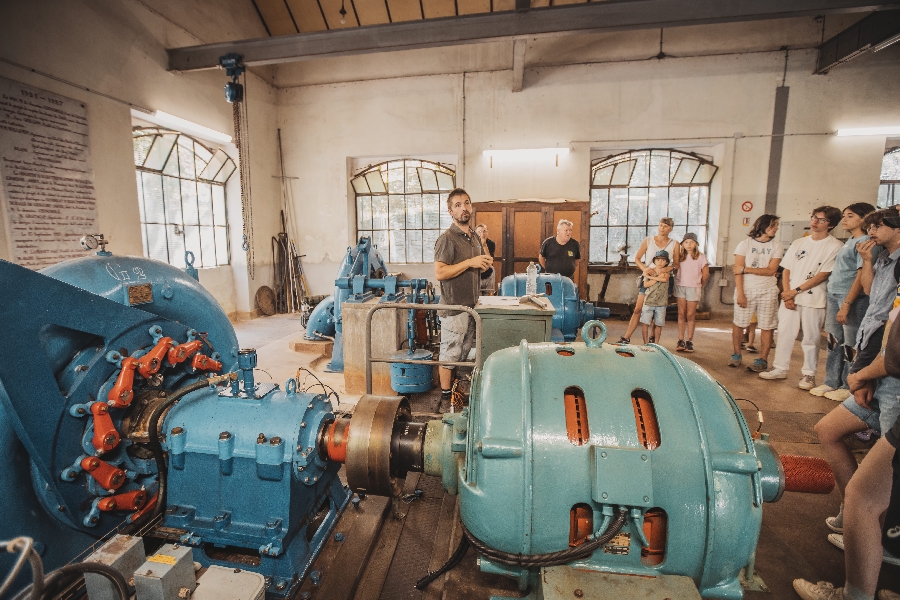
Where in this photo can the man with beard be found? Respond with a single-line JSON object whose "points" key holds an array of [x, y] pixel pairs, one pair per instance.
{"points": [[459, 260]]}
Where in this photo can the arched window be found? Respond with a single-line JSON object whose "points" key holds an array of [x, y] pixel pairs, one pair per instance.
{"points": [[401, 205], [632, 191], [889, 189], [181, 190]]}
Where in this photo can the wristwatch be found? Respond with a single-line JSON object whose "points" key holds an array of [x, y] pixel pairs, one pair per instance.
{"points": [[798, 290]]}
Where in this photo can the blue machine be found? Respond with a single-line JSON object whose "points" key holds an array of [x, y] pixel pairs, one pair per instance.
{"points": [[361, 274], [571, 313], [91, 350]]}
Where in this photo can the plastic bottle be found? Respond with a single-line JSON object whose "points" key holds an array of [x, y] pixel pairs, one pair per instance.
{"points": [[531, 279]]}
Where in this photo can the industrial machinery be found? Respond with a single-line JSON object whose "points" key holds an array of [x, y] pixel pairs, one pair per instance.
{"points": [[571, 313], [111, 363], [362, 274]]}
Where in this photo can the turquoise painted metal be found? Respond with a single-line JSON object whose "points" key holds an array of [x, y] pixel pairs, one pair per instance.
{"points": [[571, 313], [519, 475]]}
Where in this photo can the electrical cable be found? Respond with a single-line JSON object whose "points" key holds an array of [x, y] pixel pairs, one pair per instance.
{"points": [[55, 581], [548, 559], [27, 554], [451, 563], [759, 414], [329, 391]]}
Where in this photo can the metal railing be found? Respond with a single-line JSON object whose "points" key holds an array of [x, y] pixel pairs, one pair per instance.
{"points": [[410, 306]]}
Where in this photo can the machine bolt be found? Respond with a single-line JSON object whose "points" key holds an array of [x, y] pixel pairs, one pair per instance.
{"points": [[261, 438], [355, 502], [275, 441], [315, 479], [81, 411], [94, 519], [646, 499], [603, 454], [237, 570], [280, 585], [306, 480], [184, 593], [224, 435], [177, 430], [309, 449], [310, 405], [604, 495], [303, 424], [578, 594], [303, 454], [110, 439], [300, 468], [643, 457], [61, 508], [339, 537], [163, 394]]}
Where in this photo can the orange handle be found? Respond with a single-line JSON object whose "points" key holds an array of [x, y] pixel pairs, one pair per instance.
{"points": [[127, 501], [108, 476], [121, 393], [202, 362], [105, 435], [151, 362], [181, 352]]}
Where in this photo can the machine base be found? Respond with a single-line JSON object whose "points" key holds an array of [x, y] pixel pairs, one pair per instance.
{"points": [[565, 583]]}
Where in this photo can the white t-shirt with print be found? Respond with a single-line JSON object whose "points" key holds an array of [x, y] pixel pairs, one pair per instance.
{"points": [[757, 255], [805, 259]]}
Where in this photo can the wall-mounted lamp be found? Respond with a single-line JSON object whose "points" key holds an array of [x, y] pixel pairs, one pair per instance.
{"points": [[895, 130], [525, 154], [185, 126]]}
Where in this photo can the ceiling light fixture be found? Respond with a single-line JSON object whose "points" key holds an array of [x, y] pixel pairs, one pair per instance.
{"points": [[343, 12], [888, 130], [525, 154], [185, 126]]}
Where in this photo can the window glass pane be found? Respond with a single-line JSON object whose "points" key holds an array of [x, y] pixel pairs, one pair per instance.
{"points": [[142, 148], [604, 175], [218, 192], [598, 245], [398, 246], [379, 212], [641, 174], [159, 152], [890, 166], [445, 182], [637, 206], [359, 185], [414, 211], [202, 156], [884, 195], [189, 202], [429, 239], [186, 157], [173, 200], [204, 201], [208, 246], [171, 167], [617, 242], [397, 213], [154, 210], [659, 168], [380, 241], [685, 172], [144, 240], [678, 205], [363, 212], [431, 211], [414, 246], [896, 197], [446, 218], [412, 178], [376, 184], [428, 180], [227, 169], [140, 190], [697, 203], [176, 246], [395, 178], [636, 235], [678, 232], [192, 243], [622, 174], [599, 207], [657, 205], [215, 163], [156, 242], [221, 245], [673, 166], [704, 173], [618, 207]]}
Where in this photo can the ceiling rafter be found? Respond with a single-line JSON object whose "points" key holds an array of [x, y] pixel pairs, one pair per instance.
{"points": [[355, 14], [261, 20], [612, 15], [322, 11], [291, 14]]}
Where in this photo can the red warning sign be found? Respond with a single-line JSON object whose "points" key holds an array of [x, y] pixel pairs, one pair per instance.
{"points": [[747, 206]]}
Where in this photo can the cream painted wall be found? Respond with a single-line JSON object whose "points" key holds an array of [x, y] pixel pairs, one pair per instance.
{"points": [[117, 48]]}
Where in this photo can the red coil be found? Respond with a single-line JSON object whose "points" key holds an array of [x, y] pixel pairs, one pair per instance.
{"points": [[807, 474]]}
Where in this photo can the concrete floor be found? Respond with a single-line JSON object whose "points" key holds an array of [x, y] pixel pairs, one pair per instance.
{"points": [[793, 539]]}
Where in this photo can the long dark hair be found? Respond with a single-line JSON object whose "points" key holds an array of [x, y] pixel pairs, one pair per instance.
{"points": [[761, 224]]}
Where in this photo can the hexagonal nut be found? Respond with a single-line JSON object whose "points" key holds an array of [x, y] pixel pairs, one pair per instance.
{"points": [[184, 593]]}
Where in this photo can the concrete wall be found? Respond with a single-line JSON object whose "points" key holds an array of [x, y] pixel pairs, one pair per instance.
{"points": [[117, 49]]}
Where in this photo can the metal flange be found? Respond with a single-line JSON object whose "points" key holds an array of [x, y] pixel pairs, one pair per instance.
{"points": [[369, 447]]}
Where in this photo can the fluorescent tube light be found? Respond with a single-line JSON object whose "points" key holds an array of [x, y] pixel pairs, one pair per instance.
{"points": [[185, 126], [895, 130], [526, 154]]}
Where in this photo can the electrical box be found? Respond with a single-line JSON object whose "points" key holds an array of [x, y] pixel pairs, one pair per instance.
{"points": [[125, 554], [505, 323], [166, 574], [223, 583]]}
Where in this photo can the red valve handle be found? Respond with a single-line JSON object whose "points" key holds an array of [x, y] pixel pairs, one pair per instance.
{"points": [[128, 501], [105, 435], [121, 393], [181, 352], [147, 508], [152, 362], [108, 476], [204, 363]]}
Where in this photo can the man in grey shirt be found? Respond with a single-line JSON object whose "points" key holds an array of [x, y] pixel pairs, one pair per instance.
{"points": [[459, 260]]}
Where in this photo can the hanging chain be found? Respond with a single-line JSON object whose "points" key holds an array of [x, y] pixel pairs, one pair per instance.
{"points": [[242, 141]]}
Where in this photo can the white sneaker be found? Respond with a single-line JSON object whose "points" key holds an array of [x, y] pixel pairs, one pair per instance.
{"points": [[821, 390], [836, 524], [838, 395], [773, 374], [817, 591], [837, 539], [807, 382], [888, 595]]}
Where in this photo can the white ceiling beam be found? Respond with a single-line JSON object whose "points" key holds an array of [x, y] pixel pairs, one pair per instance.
{"points": [[612, 15]]}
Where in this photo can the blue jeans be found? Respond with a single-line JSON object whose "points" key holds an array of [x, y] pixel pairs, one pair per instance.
{"points": [[841, 338]]}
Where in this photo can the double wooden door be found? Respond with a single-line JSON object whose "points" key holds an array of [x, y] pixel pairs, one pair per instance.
{"points": [[519, 228]]}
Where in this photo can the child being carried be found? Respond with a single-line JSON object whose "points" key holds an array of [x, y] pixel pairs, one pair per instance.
{"points": [[656, 298]]}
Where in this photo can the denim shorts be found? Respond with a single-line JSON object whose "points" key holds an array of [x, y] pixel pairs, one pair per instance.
{"points": [[885, 405], [650, 314]]}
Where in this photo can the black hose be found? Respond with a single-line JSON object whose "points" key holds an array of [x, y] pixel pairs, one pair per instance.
{"points": [[551, 558], [156, 448], [55, 581], [451, 563]]}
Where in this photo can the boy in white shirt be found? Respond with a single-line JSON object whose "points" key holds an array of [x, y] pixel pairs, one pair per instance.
{"points": [[807, 265]]}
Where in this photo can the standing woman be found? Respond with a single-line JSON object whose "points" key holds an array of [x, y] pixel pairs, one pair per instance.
{"points": [[649, 247], [488, 278], [756, 261], [693, 272]]}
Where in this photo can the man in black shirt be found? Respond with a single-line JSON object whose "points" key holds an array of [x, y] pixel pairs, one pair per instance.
{"points": [[559, 253]]}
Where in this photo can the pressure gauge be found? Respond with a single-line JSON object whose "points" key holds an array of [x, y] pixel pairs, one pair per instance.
{"points": [[89, 242]]}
